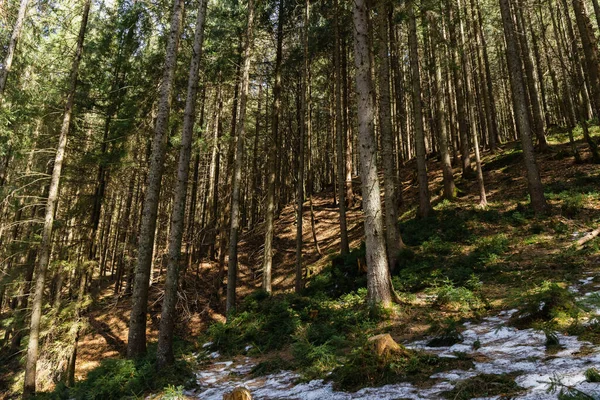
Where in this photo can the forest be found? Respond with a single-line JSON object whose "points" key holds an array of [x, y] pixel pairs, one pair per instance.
{"points": [[299, 199]]}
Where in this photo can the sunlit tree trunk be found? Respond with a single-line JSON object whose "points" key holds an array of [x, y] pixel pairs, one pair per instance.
{"points": [[164, 353], [12, 45], [46, 244], [136, 345], [378, 283]]}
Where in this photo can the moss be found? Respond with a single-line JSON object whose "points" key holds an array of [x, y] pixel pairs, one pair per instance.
{"points": [[364, 368], [485, 385]]}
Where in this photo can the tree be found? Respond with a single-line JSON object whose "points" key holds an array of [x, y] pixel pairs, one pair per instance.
{"points": [[424, 203], [136, 344], [392, 229], [271, 157], [536, 191], [167, 321], [237, 169], [45, 245], [12, 45], [378, 285], [340, 134]]}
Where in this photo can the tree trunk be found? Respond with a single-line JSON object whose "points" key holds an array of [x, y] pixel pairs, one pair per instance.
{"points": [[449, 187], [424, 203], [164, 353], [299, 282], [390, 175], [590, 51], [536, 191], [12, 44], [238, 161], [536, 109], [45, 245], [378, 282], [340, 135], [136, 345], [463, 128], [271, 156]]}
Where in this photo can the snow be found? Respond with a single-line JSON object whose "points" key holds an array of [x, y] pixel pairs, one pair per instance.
{"points": [[501, 349]]}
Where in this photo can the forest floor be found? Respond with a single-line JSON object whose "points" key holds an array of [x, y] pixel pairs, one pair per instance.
{"points": [[463, 269]]}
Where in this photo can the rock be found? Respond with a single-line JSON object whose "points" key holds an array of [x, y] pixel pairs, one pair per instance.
{"points": [[239, 393], [383, 345]]}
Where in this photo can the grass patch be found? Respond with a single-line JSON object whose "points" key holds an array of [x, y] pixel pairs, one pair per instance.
{"points": [[485, 385], [364, 368]]}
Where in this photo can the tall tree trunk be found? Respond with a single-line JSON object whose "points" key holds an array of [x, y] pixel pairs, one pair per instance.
{"points": [[536, 109], [346, 80], [424, 203], [299, 284], [463, 128], [12, 45], [136, 345], [390, 175], [474, 135], [536, 191], [215, 167], [448, 174], [238, 162], [590, 51], [340, 135], [271, 156], [254, 200], [378, 281], [164, 353], [46, 244]]}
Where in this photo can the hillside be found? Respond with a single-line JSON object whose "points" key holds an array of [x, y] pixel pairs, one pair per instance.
{"points": [[463, 264]]}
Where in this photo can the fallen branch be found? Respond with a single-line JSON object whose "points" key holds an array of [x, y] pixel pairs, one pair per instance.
{"points": [[588, 237]]}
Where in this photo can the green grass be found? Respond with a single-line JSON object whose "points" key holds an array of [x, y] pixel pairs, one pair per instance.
{"points": [[485, 385]]}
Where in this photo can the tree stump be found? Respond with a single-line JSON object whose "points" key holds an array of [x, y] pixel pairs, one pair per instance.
{"points": [[383, 345], [239, 393]]}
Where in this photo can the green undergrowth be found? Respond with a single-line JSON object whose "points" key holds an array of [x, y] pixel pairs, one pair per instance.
{"points": [[269, 323], [364, 368], [316, 330], [547, 305], [118, 379], [485, 385]]}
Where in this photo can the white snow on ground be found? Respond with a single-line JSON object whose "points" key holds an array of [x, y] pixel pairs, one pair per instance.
{"points": [[502, 349]]}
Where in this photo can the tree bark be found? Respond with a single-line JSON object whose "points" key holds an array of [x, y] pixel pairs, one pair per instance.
{"points": [[390, 175], [136, 345], [238, 162], [590, 51], [46, 244], [536, 190], [271, 156], [12, 45], [378, 281], [424, 203], [340, 135], [164, 353]]}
